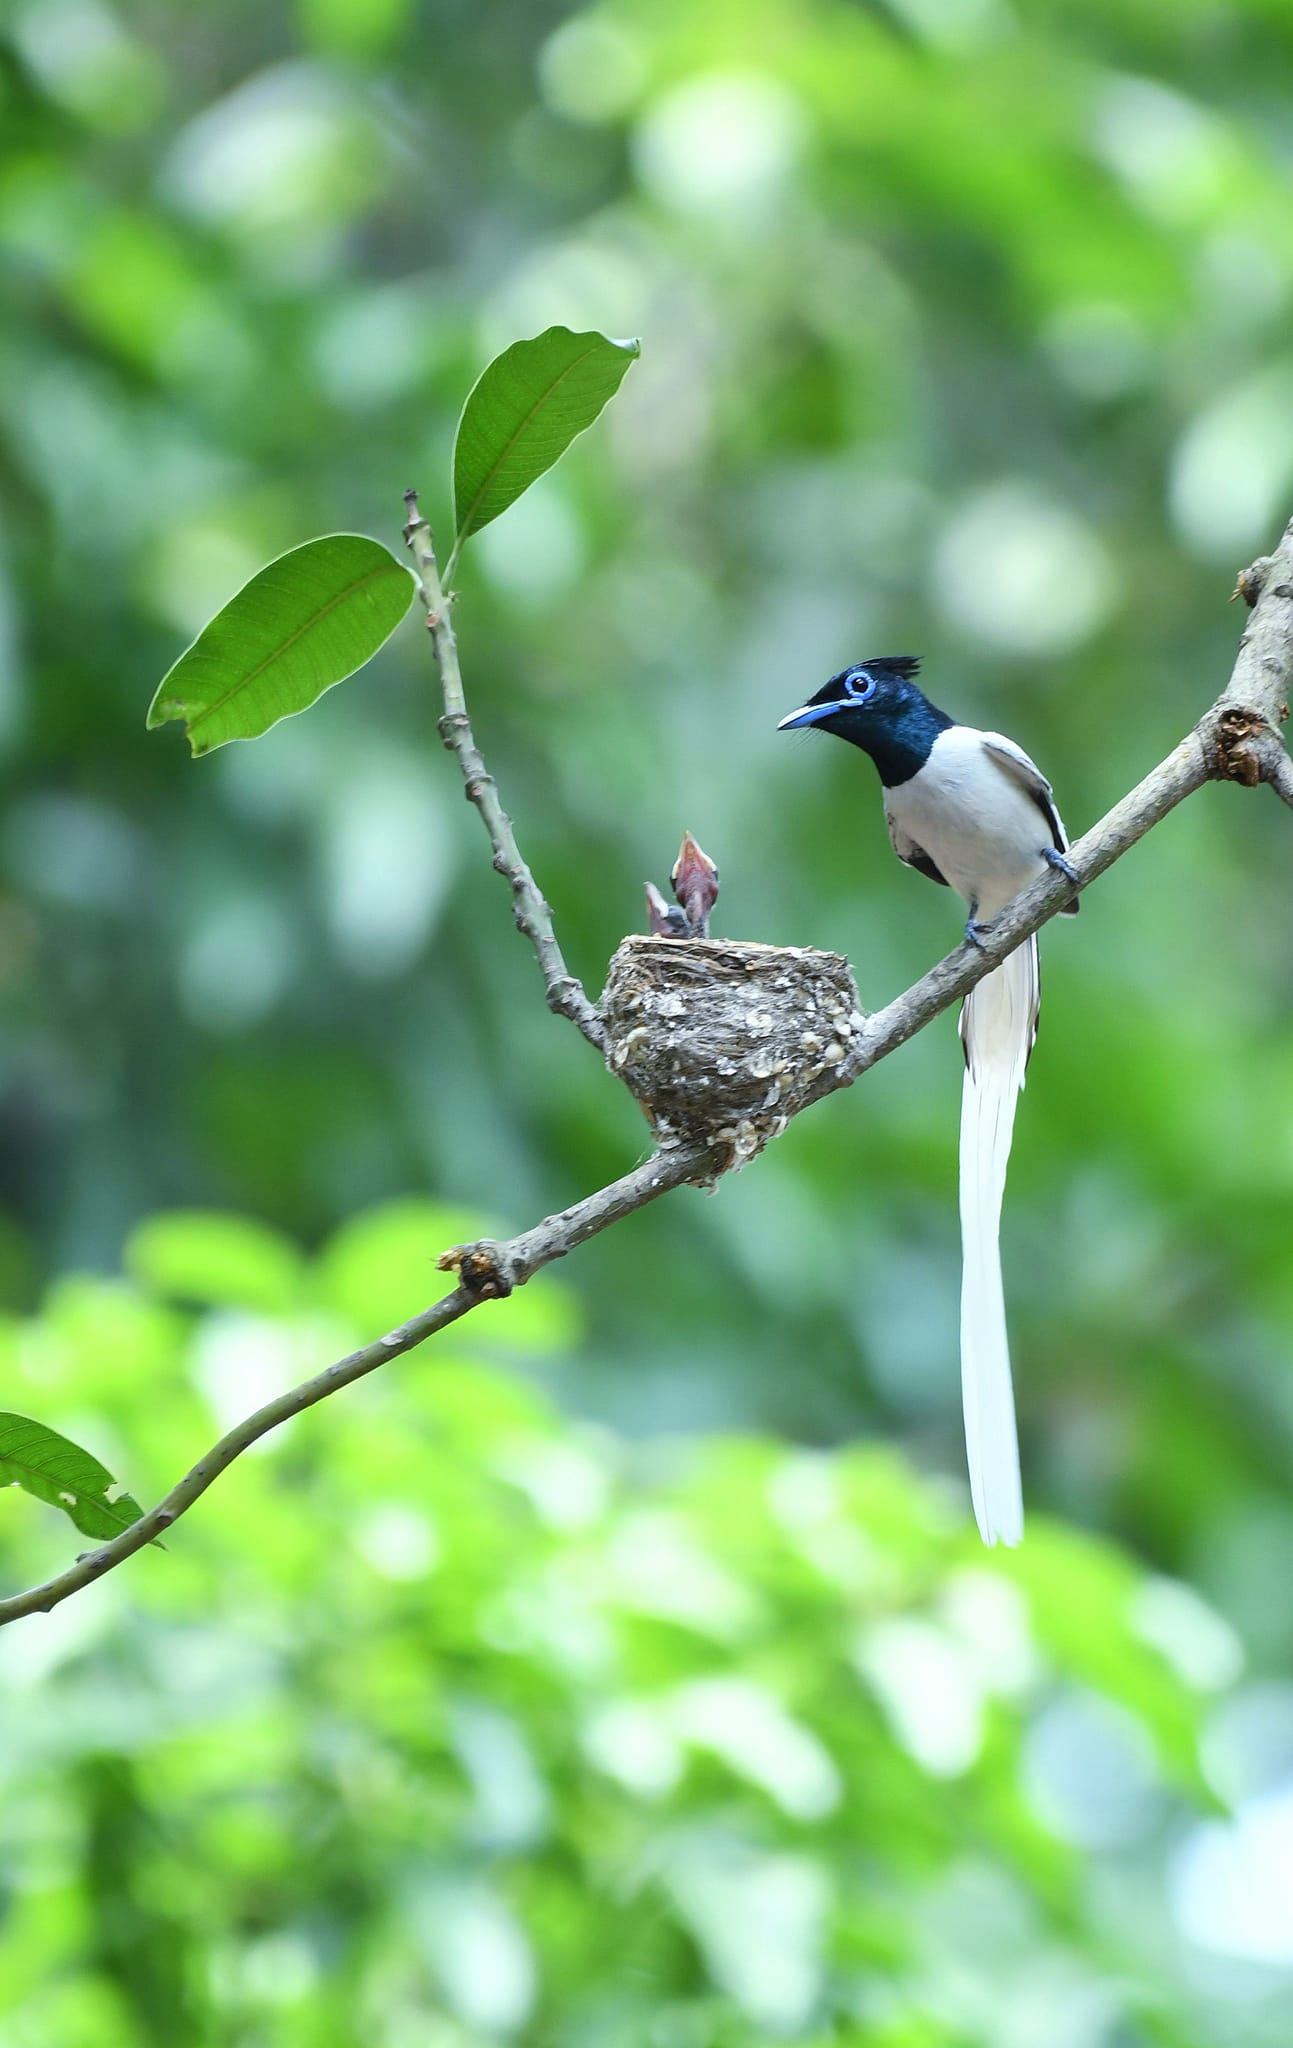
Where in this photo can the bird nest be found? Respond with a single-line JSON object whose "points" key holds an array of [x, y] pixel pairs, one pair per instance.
{"points": [[722, 1041]]}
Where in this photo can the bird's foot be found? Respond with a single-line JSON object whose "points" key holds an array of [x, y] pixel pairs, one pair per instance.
{"points": [[976, 931], [1055, 859]]}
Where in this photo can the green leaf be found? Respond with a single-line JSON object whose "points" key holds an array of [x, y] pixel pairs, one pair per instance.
{"points": [[202, 1255], [303, 623], [47, 1465], [524, 412]]}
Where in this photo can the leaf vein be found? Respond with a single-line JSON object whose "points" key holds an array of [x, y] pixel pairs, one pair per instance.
{"points": [[465, 525], [276, 654]]}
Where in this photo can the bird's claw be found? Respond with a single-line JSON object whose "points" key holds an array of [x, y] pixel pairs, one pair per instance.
{"points": [[1060, 862], [976, 932]]}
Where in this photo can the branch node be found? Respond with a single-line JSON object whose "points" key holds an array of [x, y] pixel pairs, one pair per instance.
{"points": [[1236, 753], [415, 522], [484, 1269], [1250, 582]]}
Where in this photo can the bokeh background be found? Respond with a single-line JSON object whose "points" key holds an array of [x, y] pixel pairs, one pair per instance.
{"points": [[626, 1669]]}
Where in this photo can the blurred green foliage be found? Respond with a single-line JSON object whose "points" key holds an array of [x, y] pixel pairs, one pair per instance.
{"points": [[446, 1720], [965, 331]]}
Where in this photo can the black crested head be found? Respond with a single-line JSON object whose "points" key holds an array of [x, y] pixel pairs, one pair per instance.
{"points": [[902, 666], [877, 705]]}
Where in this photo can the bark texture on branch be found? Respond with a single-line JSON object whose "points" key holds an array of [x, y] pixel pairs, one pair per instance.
{"points": [[530, 907]]}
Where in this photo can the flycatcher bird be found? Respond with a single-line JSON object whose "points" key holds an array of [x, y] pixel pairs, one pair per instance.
{"points": [[968, 809]]}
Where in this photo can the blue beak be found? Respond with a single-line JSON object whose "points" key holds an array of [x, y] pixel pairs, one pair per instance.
{"points": [[810, 714]]}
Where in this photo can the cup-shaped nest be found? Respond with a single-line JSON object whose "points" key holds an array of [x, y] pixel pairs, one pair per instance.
{"points": [[722, 1041]]}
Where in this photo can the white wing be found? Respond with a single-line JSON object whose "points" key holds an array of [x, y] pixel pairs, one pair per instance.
{"points": [[1028, 775]]}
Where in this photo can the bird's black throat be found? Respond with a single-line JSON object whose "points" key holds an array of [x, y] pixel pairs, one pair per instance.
{"points": [[897, 734]]}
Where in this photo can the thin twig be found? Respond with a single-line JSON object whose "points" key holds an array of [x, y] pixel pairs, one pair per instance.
{"points": [[533, 915], [1236, 740], [496, 1270]]}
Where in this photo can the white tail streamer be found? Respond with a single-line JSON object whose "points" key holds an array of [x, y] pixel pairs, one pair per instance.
{"points": [[998, 1026]]}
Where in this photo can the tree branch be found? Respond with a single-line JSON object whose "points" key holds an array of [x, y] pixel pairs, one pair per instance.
{"points": [[1236, 740], [533, 915], [1266, 645], [1185, 770], [1274, 764]]}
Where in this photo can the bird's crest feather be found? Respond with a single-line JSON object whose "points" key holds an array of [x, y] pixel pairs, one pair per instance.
{"points": [[905, 665]]}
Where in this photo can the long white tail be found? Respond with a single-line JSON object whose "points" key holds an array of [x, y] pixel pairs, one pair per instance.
{"points": [[998, 1026]]}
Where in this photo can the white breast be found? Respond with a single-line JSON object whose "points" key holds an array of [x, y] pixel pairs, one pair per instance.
{"points": [[983, 832]]}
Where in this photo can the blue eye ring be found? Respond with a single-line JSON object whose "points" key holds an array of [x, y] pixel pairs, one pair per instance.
{"points": [[855, 678]]}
